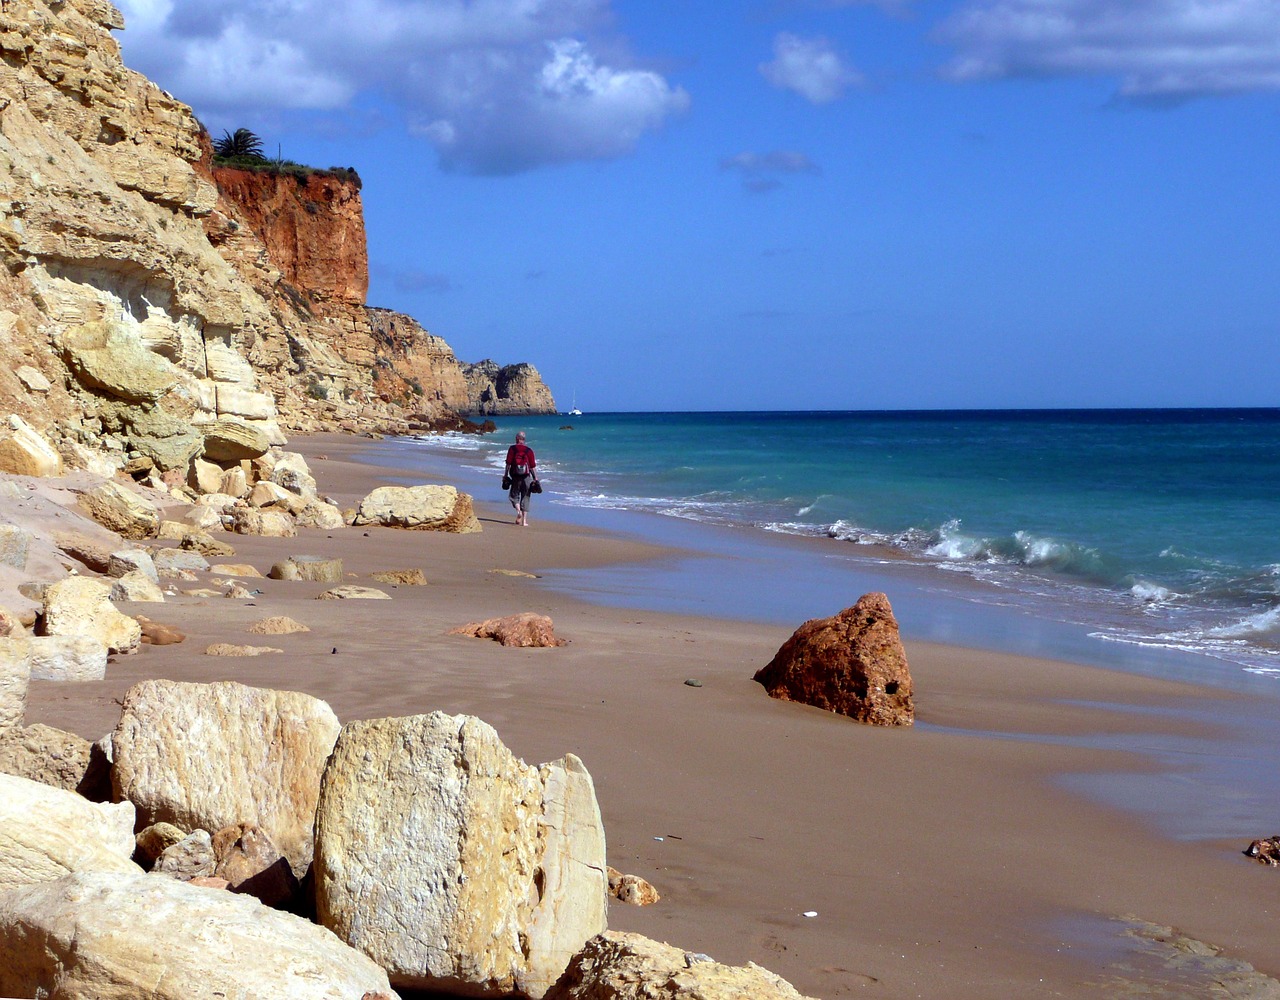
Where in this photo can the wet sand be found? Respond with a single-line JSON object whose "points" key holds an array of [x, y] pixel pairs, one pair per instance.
{"points": [[950, 860]]}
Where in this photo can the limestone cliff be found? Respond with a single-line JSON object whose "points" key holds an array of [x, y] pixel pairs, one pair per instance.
{"points": [[150, 304]]}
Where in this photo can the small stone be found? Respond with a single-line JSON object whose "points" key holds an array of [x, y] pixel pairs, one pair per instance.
{"points": [[693, 682], [230, 649]]}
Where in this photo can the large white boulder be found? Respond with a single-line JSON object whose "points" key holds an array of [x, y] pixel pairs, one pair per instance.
{"points": [[120, 509], [81, 607], [47, 832], [67, 658], [24, 451], [208, 756], [95, 935], [453, 864], [435, 508]]}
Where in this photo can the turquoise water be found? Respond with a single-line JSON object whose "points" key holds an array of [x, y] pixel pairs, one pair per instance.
{"points": [[1159, 528]]}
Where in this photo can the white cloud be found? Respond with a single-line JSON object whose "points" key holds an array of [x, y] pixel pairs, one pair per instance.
{"points": [[1160, 50], [810, 67], [497, 86], [763, 172]]}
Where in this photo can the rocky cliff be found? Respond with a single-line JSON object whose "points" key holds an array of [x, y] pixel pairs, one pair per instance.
{"points": [[150, 303], [496, 391]]}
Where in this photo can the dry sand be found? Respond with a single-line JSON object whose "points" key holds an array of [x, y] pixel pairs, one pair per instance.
{"points": [[943, 861]]}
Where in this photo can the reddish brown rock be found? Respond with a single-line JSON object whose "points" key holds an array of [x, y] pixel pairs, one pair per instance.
{"points": [[1265, 851], [852, 664], [525, 629], [251, 863], [157, 634], [631, 888]]}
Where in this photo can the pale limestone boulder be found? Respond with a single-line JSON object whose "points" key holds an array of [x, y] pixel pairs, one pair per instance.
{"points": [[157, 838], [434, 508], [257, 521], [204, 477], [206, 545], [316, 513], [121, 510], [292, 472], [47, 832], [68, 658], [172, 562], [79, 606], [201, 518], [221, 502], [265, 493], [32, 379], [112, 358], [400, 577], [350, 592], [237, 401], [131, 561], [15, 544], [110, 936], [243, 570], [234, 482], [617, 966], [24, 451], [188, 857], [316, 569], [451, 863], [235, 649], [231, 439], [138, 587], [206, 756], [15, 675], [277, 625], [53, 757]]}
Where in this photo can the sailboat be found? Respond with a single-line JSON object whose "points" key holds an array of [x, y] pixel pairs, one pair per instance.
{"points": [[574, 411]]}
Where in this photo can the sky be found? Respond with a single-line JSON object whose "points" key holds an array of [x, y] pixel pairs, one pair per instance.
{"points": [[789, 204]]}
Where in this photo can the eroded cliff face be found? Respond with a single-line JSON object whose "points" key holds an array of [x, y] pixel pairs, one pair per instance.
{"points": [[509, 390], [150, 304]]}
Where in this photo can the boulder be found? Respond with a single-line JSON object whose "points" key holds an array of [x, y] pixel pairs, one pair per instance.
{"points": [[1265, 851], [202, 517], [96, 935], [132, 561], [267, 523], [350, 592], [15, 676], [317, 569], [525, 629], [137, 586], [111, 358], [244, 570], [83, 550], [67, 658], [25, 452], [616, 966], [451, 863], [234, 483], [171, 562], [205, 477], [432, 508], [154, 840], [233, 649], [400, 577], [10, 623], [15, 543], [121, 510], [316, 513], [47, 832], [205, 756], [205, 544], [32, 379], [252, 864], [190, 857], [82, 607], [293, 474], [156, 634], [277, 625], [53, 757], [230, 440], [266, 493], [852, 663], [631, 889]]}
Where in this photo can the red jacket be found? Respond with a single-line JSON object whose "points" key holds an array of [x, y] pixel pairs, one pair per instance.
{"points": [[521, 454]]}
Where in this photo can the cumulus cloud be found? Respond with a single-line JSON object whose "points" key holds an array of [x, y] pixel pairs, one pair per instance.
{"points": [[809, 66], [763, 172], [497, 86], [1162, 51]]}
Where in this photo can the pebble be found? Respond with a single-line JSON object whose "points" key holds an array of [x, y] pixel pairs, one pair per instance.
{"points": [[693, 682]]}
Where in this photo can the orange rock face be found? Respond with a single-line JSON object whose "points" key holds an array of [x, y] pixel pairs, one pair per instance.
{"points": [[525, 629], [312, 228], [852, 663]]}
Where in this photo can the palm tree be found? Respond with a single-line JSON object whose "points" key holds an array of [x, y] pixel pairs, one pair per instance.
{"points": [[243, 144]]}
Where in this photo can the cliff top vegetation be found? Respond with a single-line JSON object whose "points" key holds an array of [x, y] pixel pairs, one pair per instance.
{"points": [[242, 149]]}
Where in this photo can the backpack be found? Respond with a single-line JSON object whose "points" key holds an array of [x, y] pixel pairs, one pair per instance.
{"points": [[520, 470]]}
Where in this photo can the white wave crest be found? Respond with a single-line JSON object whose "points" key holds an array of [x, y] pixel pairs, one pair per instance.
{"points": [[1254, 625]]}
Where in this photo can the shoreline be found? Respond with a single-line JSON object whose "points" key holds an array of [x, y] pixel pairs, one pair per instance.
{"points": [[951, 860]]}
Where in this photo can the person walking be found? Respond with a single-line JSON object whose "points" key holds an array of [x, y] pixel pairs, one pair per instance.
{"points": [[521, 470]]}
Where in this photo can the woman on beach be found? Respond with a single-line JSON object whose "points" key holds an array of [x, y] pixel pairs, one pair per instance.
{"points": [[520, 469]]}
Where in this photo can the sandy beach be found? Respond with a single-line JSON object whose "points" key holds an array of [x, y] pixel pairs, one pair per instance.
{"points": [[955, 859]]}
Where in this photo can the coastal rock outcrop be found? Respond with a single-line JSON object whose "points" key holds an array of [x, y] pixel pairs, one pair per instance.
{"points": [[114, 935], [47, 832], [510, 390], [616, 966], [451, 863], [208, 756], [56, 758], [852, 663]]}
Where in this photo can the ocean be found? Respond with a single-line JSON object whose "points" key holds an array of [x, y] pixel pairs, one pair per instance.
{"points": [[1152, 529]]}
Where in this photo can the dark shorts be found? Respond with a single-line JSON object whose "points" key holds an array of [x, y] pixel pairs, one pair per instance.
{"points": [[519, 492]]}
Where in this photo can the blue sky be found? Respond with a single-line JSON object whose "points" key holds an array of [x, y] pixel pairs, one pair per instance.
{"points": [[790, 204]]}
